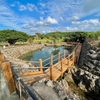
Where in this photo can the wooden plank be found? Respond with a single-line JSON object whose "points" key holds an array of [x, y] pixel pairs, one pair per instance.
{"points": [[1, 58], [8, 76], [57, 70], [29, 73], [34, 78]]}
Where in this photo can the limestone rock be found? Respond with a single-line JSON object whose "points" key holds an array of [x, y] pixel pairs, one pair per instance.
{"points": [[49, 83], [92, 52]]}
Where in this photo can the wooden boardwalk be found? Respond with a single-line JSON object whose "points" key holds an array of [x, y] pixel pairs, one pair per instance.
{"points": [[53, 71]]}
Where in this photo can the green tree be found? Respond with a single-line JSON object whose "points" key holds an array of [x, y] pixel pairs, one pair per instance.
{"points": [[12, 36]]}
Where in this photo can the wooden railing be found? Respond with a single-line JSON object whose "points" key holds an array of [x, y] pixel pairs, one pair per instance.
{"points": [[63, 59], [60, 58]]}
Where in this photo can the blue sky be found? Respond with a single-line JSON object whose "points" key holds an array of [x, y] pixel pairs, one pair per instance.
{"points": [[45, 16]]}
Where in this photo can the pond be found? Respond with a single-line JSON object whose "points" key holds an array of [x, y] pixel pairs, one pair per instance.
{"points": [[43, 53]]}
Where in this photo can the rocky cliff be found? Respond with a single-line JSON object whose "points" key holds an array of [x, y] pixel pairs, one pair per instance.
{"points": [[87, 74], [90, 58]]}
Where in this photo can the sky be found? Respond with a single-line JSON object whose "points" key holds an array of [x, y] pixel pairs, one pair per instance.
{"points": [[44, 16]]}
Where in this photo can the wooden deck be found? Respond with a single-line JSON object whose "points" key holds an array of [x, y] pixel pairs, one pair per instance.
{"points": [[58, 70], [53, 72]]}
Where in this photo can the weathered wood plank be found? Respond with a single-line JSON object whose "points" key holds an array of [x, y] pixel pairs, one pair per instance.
{"points": [[1, 58], [8, 76], [29, 73]]}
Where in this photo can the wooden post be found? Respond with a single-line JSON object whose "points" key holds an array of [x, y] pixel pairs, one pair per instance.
{"points": [[62, 67], [51, 72], [51, 61], [8, 76], [1, 58], [73, 57], [68, 60], [58, 56], [64, 53], [40, 62]]}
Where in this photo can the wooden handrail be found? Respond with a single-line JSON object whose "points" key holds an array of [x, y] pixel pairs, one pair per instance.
{"points": [[68, 61]]}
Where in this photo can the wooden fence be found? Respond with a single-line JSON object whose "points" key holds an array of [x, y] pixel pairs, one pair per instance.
{"points": [[64, 59]]}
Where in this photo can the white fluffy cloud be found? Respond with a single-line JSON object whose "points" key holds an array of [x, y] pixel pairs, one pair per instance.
{"points": [[54, 15], [42, 4], [50, 20], [42, 22], [74, 18], [28, 6], [71, 28], [90, 21], [87, 25], [22, 7]]}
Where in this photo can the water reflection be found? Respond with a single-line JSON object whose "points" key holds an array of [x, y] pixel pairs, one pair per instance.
{"points": [[44, 53]]}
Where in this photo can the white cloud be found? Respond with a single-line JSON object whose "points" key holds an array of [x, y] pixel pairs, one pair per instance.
{"points": [[4, 11], [71, 28], [42, 4], [90, 21], [88, 25], [50, 20], [61, 19], [43, 22], [22, 7], [74, 18], [28, 6], [64, 8]]}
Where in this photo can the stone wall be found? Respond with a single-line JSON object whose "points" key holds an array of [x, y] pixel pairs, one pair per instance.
{"points": [[12, 53], [90, 58], [17, 51], [87, 74]]}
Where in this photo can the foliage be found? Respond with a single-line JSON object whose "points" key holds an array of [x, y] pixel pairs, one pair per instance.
{"points": [[30, 40], [12, 36]]}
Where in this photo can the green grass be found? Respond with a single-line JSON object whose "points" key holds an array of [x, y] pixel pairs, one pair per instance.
{"points": [[46, 41]]}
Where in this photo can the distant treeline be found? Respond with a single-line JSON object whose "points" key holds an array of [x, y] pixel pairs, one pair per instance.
{"points": [[13, 36]]}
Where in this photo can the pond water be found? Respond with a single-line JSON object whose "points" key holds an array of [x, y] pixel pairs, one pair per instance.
{"points": [[44, 53]]}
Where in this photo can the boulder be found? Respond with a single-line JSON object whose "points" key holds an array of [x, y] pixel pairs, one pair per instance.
{"points": [[89, 65], [92, 56], [49, 83], [95, 62], [98, 57], [82, 86], [92, 52], [94, 48], [97, 86]]}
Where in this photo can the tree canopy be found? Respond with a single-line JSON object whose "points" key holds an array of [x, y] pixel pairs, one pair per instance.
{"points": [[12, 36]]}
